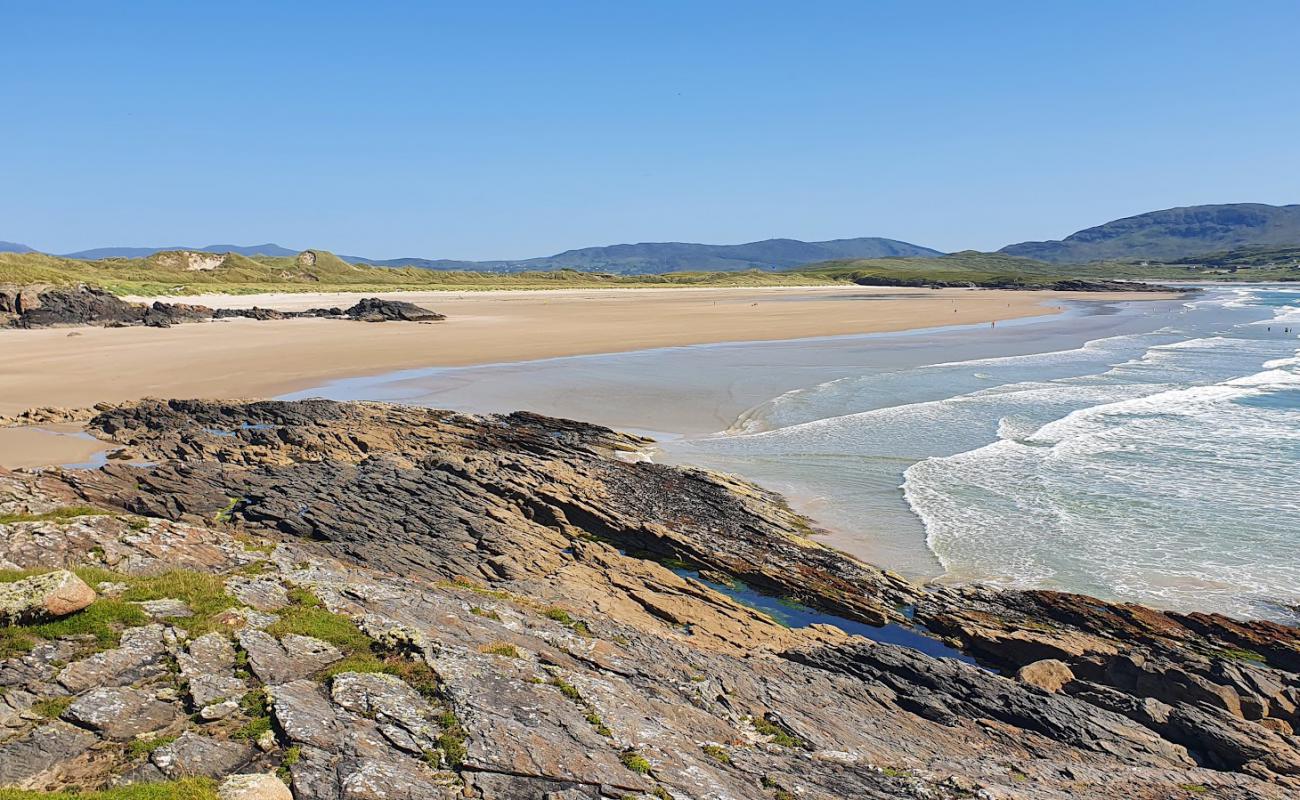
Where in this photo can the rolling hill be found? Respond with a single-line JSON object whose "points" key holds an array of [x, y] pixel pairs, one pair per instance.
{"points": [[1172, 234], [647, 258], [145, 252], [661, 257]]}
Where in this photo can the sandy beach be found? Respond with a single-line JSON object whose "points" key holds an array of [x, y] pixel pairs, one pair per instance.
{"points": [[244, 358]]}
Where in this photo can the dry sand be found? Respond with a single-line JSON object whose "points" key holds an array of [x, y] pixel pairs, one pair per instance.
{"points": [[245, 358]]}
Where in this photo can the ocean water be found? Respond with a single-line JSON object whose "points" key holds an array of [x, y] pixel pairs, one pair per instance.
{"points": [[1144, 451], [1161, 466]]}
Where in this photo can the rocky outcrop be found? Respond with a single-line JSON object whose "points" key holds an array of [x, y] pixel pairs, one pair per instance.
{"points": [[373, 309], [413, 603], [51, 306], [43, 597]]}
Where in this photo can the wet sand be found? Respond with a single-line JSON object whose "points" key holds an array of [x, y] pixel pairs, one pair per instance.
{"points": [[246, 359]]}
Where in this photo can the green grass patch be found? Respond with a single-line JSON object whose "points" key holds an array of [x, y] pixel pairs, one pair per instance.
{"points": [[1238, 654], [103, 620], [307, 616], [485, 613], [500, 649], [635, 762], [255, 707], [186, 789], [415, 674], [203, 592], [57, 515], [143, 747], [566, 619], [779, 735], [51, 707], [452, 739], [567, 689], [717, 753]]}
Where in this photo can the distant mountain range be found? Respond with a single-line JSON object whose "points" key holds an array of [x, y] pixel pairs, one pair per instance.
{"points": [[645, 258], [657, 257], [1174, 233], [1168, 235]]}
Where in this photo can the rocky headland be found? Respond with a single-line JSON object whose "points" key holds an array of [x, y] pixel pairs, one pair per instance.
{"points": [[357, 601], [54, 306]]}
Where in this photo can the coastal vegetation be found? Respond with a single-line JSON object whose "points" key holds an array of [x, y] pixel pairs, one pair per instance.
{"points": [[192, 272]]}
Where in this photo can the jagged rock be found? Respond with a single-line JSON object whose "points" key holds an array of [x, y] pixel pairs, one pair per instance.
{"points": [[443, 536], [141, 654], [53, 594], [395, 780], [315, 775], [253, 787], [946, 691], [374, 309], [263, 594], [1049, 674], [304, 715], [390, 702], [207, 665], [216, 711], [166, 608], [192, 755], [209, 654], [289, 659], [206, 690], [45, 747], [120, 713]]}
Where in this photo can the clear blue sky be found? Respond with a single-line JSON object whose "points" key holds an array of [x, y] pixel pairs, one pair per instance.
{"points": [[513, 129]]}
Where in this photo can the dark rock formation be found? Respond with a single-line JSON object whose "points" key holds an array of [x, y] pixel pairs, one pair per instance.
{"points": [[504, 571], [49, 306], [1019, 284], [373, 309]]}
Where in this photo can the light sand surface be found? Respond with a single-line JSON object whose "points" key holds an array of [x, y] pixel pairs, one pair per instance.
{"points": [[38, 447], [245, 358]]}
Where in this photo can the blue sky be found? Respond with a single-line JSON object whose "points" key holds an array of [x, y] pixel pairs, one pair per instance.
{"points": [[514, 129]]}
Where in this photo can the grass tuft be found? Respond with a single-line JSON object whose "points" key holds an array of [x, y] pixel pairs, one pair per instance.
{"points": [[185, 789], [778, 734], [635, 762], [717, 753], [62, 514]]}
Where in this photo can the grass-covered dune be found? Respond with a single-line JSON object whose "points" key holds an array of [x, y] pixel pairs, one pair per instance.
{"points": [[190, 272], [186, 272]]}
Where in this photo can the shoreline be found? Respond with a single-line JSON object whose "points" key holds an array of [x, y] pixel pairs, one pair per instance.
{"points": [[242, 358], [238, 358]]}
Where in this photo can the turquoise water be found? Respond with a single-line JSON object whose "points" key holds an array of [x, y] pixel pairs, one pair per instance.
{"points": [[1145, 451], [1161, 466]]}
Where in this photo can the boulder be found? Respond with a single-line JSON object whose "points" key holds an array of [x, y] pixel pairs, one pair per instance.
{"points": [[289, 659], [47, 596], [43, 748], [120, 713], [1048, 674], [374, 309], [253, 787], [192, 755], [141, 654]]}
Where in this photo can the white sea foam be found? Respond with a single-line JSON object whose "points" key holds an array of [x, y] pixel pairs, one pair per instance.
{"points": [[1159, 467]]}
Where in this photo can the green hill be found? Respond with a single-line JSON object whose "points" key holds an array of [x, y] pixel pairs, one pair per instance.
{"points": [[1171, 234]]}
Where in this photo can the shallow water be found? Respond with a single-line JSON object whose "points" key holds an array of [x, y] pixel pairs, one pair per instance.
{"points": [[1143, 451]]}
